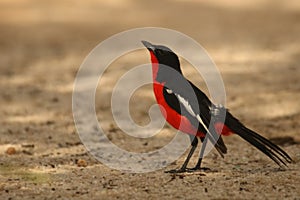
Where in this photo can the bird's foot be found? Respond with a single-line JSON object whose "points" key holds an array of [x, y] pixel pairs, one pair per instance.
{"points": [[201, 169], [188, 170], [174, 171]]}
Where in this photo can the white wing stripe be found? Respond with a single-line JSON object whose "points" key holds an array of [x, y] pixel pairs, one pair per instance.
{"points": [[186, 104], [188, 107], [169, 91], [202, 123]]}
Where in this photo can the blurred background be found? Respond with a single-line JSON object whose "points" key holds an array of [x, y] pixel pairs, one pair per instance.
{"points": [[255, 44]]}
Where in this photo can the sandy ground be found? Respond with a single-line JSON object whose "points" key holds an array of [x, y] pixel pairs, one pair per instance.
{"points": [[255, 44]]}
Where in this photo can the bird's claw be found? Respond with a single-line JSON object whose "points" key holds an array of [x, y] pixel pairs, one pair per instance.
{"points": [[201, 169], [174, 171], [188, 170]]}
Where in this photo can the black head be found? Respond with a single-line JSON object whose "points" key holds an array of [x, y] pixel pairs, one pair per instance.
{"points": [[164, 55]]}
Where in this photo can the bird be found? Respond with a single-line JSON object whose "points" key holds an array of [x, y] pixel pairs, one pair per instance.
{"points": [[188, 109]]}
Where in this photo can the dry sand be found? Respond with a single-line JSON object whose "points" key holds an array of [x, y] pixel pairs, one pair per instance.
{"points": [[255, 44]]}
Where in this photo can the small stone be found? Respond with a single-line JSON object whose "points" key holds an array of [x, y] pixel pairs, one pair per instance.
{"points": [[11, 151], [81, 163]]}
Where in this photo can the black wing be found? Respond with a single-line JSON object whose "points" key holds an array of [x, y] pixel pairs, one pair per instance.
{"points": [[184, 97]]}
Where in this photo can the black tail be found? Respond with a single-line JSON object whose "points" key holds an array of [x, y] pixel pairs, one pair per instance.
{"points": [[270, 149]]}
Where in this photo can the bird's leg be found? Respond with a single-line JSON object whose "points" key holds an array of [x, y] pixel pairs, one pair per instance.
{"points": [[194, 144], [198, 165]]}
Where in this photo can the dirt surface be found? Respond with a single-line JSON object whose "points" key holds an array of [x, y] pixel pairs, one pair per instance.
{"points": [[255, 44]]}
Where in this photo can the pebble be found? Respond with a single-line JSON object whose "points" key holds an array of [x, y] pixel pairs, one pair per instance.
{"points": [[81, 163], [11, 151]]}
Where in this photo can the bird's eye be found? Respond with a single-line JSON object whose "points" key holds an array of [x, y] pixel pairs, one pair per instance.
{"points": [[159, 52]]}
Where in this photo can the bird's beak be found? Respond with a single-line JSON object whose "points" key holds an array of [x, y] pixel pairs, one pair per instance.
{"points": [[148, 45]]}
